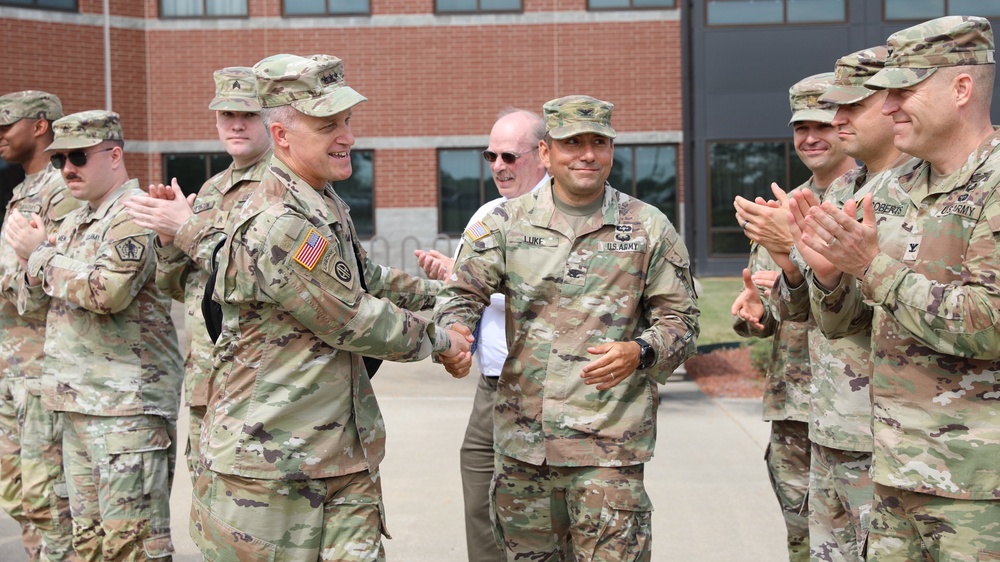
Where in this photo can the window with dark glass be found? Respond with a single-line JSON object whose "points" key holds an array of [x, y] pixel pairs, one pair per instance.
{"points": [[465, 184], [202, 8], [193, 170], [326, 7], [69, 5], [649, 173], [10, 176], [629, 4], [745, 169], [358, 191], [474, 6], [930, 9], [762, 12]]}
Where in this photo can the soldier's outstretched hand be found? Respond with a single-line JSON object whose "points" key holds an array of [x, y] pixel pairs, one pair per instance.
{"points": [[458, 359]]}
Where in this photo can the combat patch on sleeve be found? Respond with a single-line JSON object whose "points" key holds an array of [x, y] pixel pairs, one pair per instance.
{"points": [[342, 272], [477, 231], [130, 249], [311, 249]]}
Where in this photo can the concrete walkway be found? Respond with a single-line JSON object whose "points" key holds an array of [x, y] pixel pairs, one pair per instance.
{"points": [[707, 481]]}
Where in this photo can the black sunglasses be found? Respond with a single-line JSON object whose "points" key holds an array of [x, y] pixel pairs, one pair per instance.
{"points": [[77, 158], [507, 157]]}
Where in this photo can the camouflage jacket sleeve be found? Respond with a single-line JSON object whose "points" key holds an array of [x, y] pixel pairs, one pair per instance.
{"points": [[335, 309], [477, 274], [792, 303], [107, 283], [952, 319], [842, 311], [400, 288], [670, 307], [172, 268]]}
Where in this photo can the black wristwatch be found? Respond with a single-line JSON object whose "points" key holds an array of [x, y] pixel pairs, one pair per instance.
{"points": [[646, 354]]}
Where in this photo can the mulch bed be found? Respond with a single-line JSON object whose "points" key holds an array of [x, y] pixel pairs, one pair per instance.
{"points": [[726, 373]]}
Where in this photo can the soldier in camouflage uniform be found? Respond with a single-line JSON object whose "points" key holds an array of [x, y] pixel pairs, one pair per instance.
{"points": [[788, 377], [930, 289], [189, 233], [840, 488], [111, 358], [293, 436], [600, 309], [32, 484]]}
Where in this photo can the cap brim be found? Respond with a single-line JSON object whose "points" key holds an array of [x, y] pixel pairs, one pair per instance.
{"points": [[843, 95], [819, 115], [340, 99], [11, 121], [71, 143], [898, 77], [246, 105], [580, 128]]}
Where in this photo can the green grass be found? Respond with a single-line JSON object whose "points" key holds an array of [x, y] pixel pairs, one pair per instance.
{"points": [[715, 297]]}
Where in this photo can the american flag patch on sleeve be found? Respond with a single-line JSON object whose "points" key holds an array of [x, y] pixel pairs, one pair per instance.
{"points": [[311, 250], [477, 231]]}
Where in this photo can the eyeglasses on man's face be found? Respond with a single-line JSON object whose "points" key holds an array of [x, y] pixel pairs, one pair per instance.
{"points": [[507, 157], [77, 158]]}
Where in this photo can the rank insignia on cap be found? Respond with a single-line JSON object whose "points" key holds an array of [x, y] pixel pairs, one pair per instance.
{"points": [[311, 250], [477, 231]]}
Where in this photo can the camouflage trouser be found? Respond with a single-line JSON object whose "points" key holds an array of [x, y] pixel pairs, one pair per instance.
{"points": [[119, 471], [840, 501], [196, 419], [43, 484], [603, 511], [236, 519], [909, 526], [787, 460], [10, 467]]}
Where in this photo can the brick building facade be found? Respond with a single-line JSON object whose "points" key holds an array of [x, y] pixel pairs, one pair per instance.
{"points": [[435, 82]]}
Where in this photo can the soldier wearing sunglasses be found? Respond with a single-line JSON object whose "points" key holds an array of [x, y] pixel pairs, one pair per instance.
{"points": [[111, 363], [30, 435], [517, 170]]}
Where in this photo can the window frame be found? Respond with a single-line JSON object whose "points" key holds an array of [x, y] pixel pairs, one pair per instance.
{"points": [[785, 182], [165, 158], [362, 235], [484, 173], [677, 175], [944, 6], [204, 14], [631, 6], [478, 10], [35, 6], [327, 13], [784, 17]]}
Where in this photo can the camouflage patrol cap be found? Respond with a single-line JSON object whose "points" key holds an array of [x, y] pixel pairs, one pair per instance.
{"points": [[850, 75], [29, 104], [314, 86], [235, 90], [803, 97], [87, 128], [915, 53], [574, 115]]}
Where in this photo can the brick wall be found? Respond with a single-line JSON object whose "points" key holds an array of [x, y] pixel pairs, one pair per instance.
{"points": [[442, 80]]}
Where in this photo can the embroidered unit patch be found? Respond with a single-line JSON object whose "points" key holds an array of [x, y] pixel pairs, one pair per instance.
{"points": [[477, 231], [311, 250]]}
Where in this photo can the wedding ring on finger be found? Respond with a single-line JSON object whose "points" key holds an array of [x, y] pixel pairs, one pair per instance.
{"points": [[831, 242], [744, 225]]}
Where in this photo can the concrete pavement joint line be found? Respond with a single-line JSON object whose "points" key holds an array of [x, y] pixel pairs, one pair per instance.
{"points": [[729, 415]]}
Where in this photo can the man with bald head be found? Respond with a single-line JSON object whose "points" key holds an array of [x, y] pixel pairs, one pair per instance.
{"points": [[513, 157]]}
